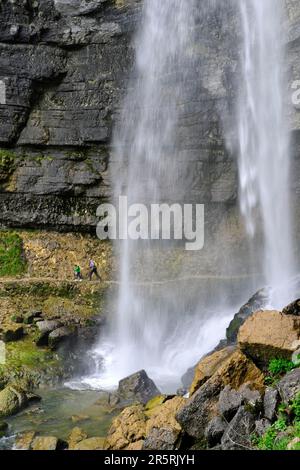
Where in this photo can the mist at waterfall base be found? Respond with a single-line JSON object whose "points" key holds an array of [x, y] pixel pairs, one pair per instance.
{"points": [[168, 330]]}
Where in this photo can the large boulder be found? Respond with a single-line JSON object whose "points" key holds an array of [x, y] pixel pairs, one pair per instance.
{"points": [[269, 334], [257, 302], [208, 366], [202, 407], [289, 385], [127, 428], [163, 432], [238, 434], [12, 400], [137, 387]]}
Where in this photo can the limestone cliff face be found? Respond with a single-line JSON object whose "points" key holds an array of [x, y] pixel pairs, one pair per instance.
{"points": [[64, 66]]}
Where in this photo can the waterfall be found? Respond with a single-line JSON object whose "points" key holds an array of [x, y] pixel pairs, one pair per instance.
{"points": [[264, 153], [164, 322], [157, 325]]}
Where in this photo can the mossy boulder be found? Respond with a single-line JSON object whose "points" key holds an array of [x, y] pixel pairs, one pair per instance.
{"points": [[12, 400]]}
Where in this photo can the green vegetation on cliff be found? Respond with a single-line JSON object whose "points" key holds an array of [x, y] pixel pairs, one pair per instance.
{"points": [[12, 262], [7, 161]]}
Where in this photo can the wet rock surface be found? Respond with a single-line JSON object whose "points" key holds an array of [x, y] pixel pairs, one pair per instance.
{"points": [[137, 388], [257, 302]]}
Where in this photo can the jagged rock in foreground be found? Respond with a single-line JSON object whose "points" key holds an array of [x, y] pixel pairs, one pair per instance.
{"points": [[162, 430], [229, 402], [137, 388], [202, 407], [129, 427], [269, 334], [139, 427]]}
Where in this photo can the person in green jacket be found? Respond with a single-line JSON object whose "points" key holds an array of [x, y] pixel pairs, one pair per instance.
{"points": [[77, 272]]}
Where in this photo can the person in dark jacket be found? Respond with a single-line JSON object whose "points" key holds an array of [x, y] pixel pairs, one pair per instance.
{"points": [[93, 269]]}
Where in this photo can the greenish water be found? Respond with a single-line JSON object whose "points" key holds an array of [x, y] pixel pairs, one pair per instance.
{"points": [[59, 411]]}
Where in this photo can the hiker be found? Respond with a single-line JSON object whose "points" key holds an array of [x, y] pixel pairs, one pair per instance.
{"points": [[77, 273], [93, 269]]}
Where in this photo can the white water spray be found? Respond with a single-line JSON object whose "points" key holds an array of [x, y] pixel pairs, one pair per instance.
{"points": [[264, 162]]}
